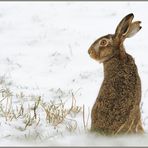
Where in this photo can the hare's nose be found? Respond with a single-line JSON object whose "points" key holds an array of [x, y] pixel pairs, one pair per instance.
{"points": [[89, 51]]}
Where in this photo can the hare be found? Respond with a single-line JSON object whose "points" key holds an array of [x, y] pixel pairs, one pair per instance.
{"points": [[117, 107]]}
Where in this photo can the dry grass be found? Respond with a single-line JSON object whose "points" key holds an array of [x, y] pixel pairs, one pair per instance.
{"points": [[55, 112]]}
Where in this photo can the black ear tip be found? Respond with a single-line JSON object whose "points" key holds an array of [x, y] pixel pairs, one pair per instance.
{"points": [[130, 15], [139, 22]]}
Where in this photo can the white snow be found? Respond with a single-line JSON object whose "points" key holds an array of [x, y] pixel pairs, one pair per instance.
{"points": [[44, 51]]}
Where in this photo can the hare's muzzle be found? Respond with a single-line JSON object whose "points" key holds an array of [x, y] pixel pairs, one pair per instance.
{"points": [[90, 51]]}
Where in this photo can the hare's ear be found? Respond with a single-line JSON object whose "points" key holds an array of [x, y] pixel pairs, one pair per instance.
{"points": [[133, 29], [123, 26]]}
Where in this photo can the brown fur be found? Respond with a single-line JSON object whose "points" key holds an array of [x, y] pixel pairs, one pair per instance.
{"points": [[117, 107]]}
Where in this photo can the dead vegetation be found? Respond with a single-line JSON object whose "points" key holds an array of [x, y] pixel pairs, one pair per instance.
{"points": [[31, 113]]}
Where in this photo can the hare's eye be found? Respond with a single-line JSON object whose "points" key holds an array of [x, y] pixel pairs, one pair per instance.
{"points": [[103, 42]]}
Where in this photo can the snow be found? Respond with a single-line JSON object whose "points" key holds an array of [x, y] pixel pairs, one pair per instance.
{"points": [[44, 51]]}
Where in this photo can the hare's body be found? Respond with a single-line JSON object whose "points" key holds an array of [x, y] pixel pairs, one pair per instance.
{"points": [[117, 107]]}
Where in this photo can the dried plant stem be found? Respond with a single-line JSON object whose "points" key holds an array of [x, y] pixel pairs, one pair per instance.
{"points": [[3, 99], [84, 124], [38, 122], [120, 128], [130, 126], [88, 117]]}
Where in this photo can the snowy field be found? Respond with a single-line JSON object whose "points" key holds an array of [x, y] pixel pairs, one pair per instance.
{"points": [[44, 60]]}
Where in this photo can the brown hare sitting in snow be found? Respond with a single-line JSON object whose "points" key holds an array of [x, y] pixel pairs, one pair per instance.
{"points": [[117, 107]]}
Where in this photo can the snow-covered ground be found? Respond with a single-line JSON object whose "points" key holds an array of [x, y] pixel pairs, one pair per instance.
{"points": [[44, 53]]}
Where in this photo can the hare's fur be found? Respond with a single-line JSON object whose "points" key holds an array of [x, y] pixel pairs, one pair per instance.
{"points": [[117, 107]]}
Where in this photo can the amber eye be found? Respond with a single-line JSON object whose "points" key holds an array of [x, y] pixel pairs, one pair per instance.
{"points": [[103, 42]]}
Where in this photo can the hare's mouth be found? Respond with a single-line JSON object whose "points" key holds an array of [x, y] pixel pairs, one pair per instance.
{"points": [[94, 56], [101, 59], [105, 59]]}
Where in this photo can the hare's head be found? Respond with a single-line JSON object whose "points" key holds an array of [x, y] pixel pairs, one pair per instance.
{"points": [[110, 45]]}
